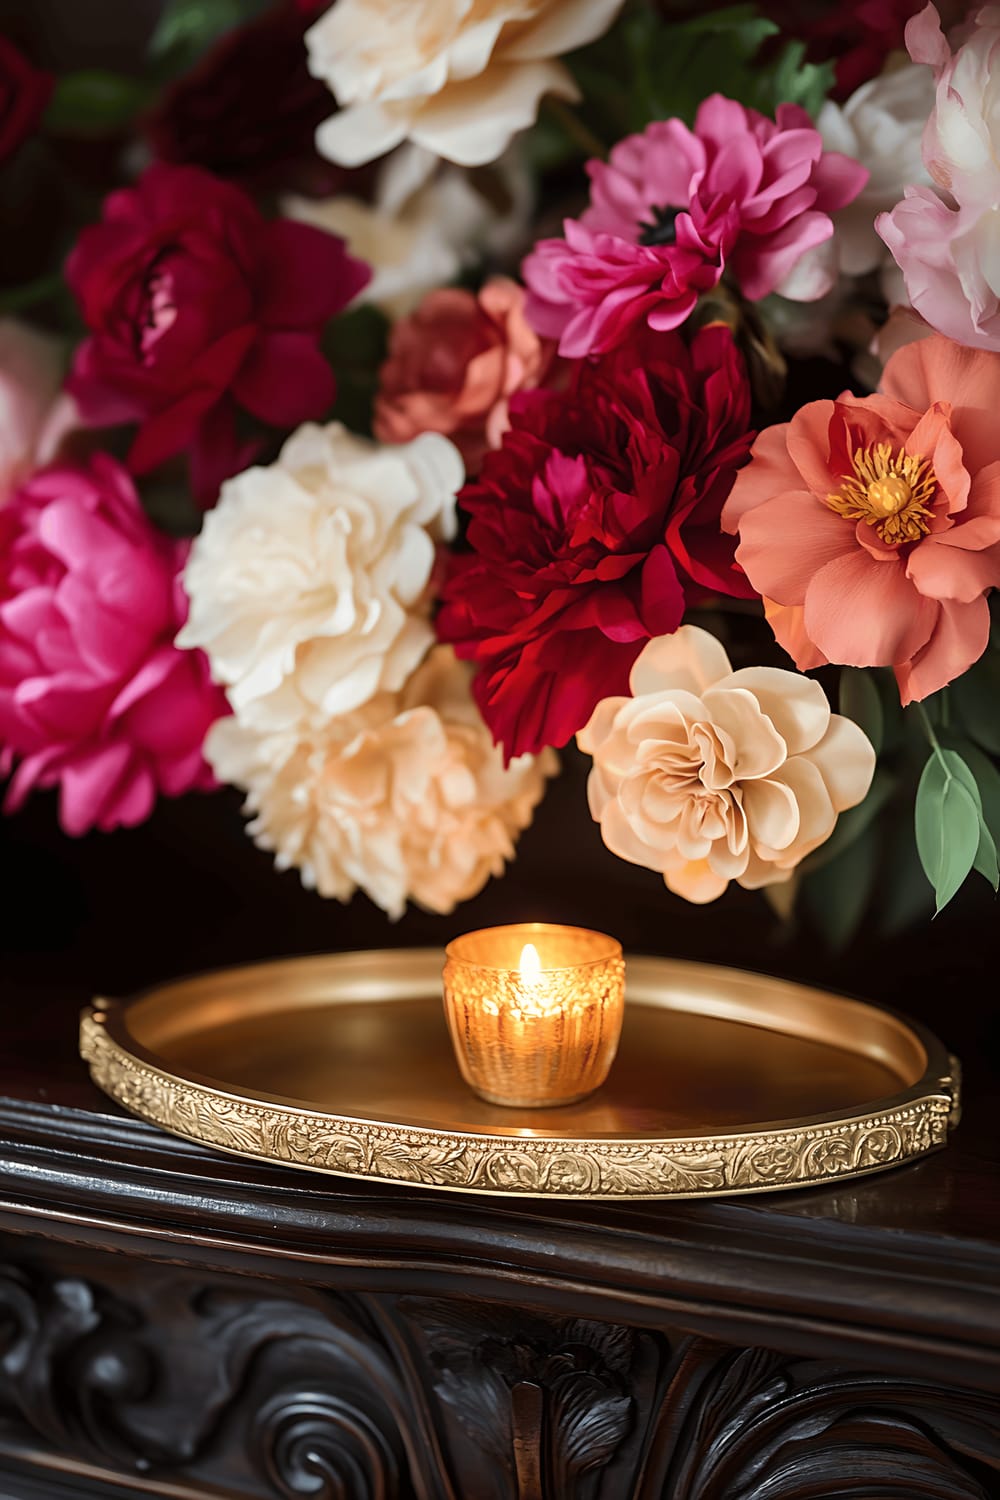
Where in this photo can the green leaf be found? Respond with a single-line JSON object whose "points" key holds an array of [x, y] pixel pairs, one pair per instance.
{"points": [[187, 28], [986, 857], [988, 782], [851, 824], [95, 103], [861, 701], [837, 895], [905, 898], [948, 823]]}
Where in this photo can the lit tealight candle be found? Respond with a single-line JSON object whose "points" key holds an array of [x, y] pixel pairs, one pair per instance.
{"points": [[535, 1011]]}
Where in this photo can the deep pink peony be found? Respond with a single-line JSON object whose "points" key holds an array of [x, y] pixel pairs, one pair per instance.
{"points": [[197, 306], [592, 528], [673, 209], [872, 525], [94, 695]]}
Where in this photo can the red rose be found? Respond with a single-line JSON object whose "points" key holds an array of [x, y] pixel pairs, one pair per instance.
{"points": [[24, 93], [592, 528], [196, 306], [249, 110]]}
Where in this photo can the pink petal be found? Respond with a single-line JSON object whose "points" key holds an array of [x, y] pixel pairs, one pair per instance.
{"points": [[285, 380], [960, 637], [863, 613]]}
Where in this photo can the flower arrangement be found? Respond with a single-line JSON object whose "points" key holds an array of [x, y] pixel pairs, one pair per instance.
{"points": [[413, 395]]}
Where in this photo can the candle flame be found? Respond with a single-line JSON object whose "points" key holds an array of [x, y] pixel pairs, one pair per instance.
{"points": [[531, 964]]}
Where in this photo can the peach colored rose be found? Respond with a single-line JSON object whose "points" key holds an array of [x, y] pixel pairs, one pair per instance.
{"points": [[707, 775], [404, 798], [875, 522], [453, 364], [456, 78]]}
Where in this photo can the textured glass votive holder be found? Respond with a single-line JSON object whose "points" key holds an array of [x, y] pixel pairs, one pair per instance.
{"points": [[534, 1034]]}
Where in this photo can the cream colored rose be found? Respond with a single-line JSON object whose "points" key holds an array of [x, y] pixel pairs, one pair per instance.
{"points": [[309, 583], [709, 775], [458, 77], [406, 797], [426, 222]]}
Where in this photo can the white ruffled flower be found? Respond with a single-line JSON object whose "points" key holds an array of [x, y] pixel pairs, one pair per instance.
{"points": [[310, 581], [425, 224], [707, 775], [457, 78], [881, 126], [406, 797]]}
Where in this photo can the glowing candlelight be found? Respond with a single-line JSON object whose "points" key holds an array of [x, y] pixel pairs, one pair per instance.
{"points": [[536, 1022]]}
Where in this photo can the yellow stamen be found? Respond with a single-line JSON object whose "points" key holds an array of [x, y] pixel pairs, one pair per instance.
{"points": [[892, 492]]}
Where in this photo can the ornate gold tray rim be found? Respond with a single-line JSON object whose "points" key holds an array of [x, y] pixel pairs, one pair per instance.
{"points": [[516, 1162]]}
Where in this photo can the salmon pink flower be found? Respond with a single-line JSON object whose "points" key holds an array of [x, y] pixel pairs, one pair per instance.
{"points": [[593, 527], [454, 364], [674, 208], [95, 698], [873, 525]]}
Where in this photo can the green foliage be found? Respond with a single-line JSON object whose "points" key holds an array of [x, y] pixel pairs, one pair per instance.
{"points": [[95, 104], [976, 700], [186, 28], [861, 701], [355, 345], [837, 894], [672, 68], [952, 834]]}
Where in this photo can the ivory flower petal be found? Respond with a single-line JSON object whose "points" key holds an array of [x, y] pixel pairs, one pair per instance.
{"points": [[309, 583], [661, 799], [456, 78]]}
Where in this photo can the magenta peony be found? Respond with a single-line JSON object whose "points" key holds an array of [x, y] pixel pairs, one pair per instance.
{"points": [[94, 695], [674, 208], [592, 528], [197, 306]]}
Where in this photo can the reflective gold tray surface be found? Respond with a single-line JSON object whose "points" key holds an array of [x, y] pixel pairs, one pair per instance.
{"points": [[725, 1081]]}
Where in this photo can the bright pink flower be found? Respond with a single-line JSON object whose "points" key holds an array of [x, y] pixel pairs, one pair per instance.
{"points": [[454, 364], [593, 527], [94, 695], [197, 306], [673, 209], [874, 524]]}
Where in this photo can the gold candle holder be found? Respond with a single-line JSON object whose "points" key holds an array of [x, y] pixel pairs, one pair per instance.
{"points": [[535, 1011]]}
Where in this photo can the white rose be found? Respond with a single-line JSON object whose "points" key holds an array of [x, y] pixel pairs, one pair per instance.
{"points": [[456, 77], [425, 224], [309, 583], [881, 127], [707, 775], [405, 798]]}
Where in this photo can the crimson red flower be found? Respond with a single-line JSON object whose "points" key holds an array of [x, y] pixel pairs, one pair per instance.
{"points": [[249, 110], [24, 93], [197, 305], [593, 527]]}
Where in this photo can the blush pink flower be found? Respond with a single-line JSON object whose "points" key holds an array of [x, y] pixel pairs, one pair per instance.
{"points": [[454, 364], [949, 251], [94, 695], [873, 525], [674, 208]]}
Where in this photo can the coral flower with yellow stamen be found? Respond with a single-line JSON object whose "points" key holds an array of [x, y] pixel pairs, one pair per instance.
{"points": [[871, 526]]}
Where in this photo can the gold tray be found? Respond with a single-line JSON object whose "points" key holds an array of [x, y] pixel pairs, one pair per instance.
{"points": [[725, 1082]]}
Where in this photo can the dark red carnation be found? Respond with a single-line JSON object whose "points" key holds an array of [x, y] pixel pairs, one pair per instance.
{"points": [[197, 306], [593, 527], [249, 110], [24, 93]]}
